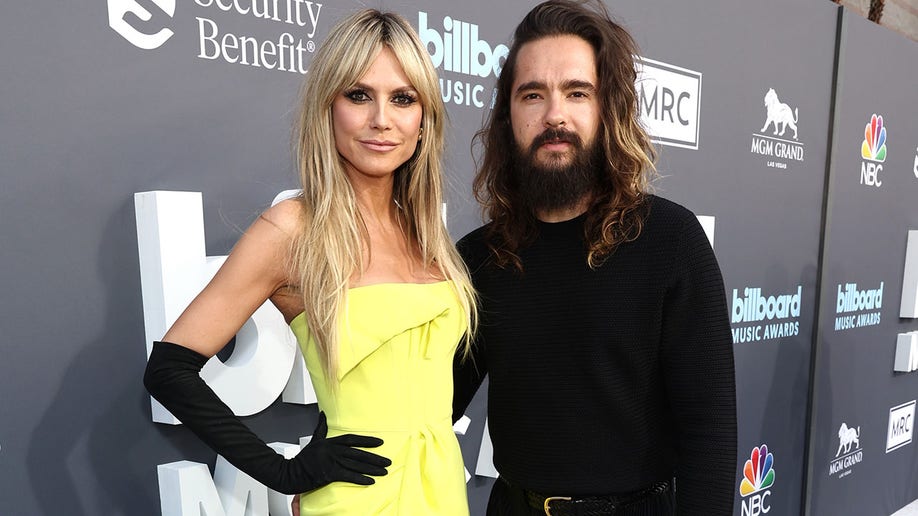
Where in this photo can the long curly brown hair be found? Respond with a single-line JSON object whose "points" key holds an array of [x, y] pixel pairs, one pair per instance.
{"points": [[617, 210]]}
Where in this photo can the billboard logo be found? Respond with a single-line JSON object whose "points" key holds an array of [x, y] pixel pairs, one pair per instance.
{"points": [[669, 103], [758, 476], [899, 431], [755, 307], [779, 117], [849, 451], [118, 10], [459, 50], [853, 300], [873, 149]]}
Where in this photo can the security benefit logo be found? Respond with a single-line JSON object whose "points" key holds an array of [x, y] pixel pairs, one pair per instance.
{"points": [[856, 308], [758, 477], [901, 423], [285, 49], [138, 31], [777, 140], [758, 316], [849, 451], [464, 59], [669, 100], [873, 152]]}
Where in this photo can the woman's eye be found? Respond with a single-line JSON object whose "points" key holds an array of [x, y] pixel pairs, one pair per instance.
{"points": [[357, 96], [404, 99]]}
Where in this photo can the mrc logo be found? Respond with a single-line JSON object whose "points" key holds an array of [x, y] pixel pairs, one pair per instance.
{"points": [[901, 421], [873, 151], [758, 476], [669, 102]]}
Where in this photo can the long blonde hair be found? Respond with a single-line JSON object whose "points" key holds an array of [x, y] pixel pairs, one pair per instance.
{"points": [[328, 250]]}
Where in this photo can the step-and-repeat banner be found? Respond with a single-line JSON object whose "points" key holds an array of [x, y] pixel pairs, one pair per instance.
{"points": [[790, 127], [862, 457]]}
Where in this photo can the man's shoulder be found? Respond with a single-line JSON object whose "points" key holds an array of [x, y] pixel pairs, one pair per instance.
{"points": [[475, 238], [666, 212], [473, 247], [675, 227]]}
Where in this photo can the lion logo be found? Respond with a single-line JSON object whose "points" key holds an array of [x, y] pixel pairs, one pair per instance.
{"points": [[779, 114], [848, 437]]}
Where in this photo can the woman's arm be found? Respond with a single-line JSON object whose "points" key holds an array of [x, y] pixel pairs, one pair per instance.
{"points": [[254, 270]]}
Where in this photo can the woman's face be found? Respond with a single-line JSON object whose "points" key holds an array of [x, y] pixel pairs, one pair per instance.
{"points": [[377, 122]]}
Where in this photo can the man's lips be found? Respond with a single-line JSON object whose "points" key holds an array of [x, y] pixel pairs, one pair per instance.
{"points": [[555, 144]]}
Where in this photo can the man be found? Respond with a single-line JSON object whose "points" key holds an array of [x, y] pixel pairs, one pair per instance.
{"points": [[604, 325]]}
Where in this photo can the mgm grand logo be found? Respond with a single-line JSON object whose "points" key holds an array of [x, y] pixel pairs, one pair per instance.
{"points": [[849, 451], [774, 139]]}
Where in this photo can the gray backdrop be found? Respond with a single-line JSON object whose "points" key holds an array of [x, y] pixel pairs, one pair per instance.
{"points": [[865, 245], [89, 118]]}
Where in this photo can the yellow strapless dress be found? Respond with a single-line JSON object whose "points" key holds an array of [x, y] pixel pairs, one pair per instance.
{"points": [[395, 358]]}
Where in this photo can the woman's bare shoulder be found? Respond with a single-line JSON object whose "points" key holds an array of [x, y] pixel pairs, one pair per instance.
{"points": [[286, 216]]}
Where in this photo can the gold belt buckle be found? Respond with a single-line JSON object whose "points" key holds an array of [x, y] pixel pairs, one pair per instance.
{"points": [[551, 499]]}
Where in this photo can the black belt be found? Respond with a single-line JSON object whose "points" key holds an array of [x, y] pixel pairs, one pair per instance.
{"points": [[591, 505]]}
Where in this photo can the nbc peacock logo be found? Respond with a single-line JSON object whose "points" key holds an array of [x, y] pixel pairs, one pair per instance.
{"points": [[873, 149], [874, 145], [758, 476]]}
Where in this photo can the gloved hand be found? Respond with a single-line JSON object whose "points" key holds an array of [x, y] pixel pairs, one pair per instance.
{"points": [[173, 378], [324, 461]]}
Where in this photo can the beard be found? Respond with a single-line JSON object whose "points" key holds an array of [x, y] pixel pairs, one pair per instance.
{"points": [[560, 180]]}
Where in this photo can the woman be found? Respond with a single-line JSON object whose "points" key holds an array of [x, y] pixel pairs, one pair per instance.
{"points": [[363, 270]]}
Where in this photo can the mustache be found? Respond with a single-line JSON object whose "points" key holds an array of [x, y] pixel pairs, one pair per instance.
{"points": [[556, 135]]}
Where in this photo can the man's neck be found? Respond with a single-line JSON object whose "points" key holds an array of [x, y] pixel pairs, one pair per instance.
{"points": [[563, 214]]}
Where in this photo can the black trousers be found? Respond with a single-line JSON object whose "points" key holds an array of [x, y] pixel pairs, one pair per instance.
{"points": [[507, 500]]}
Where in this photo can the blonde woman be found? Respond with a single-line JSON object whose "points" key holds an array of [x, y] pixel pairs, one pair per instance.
{"points": [[363, 270]]}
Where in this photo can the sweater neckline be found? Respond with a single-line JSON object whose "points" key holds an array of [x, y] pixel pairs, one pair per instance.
{"points": [[563, 227]]}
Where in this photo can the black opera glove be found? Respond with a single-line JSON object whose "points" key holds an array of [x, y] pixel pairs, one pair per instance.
{"points": [[173, 378]]}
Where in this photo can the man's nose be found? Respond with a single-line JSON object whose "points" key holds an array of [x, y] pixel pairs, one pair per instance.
{"points": [[555, 113]]}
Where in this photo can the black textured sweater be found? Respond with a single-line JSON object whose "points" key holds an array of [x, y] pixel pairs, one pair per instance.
{"points": [[606, 380]]}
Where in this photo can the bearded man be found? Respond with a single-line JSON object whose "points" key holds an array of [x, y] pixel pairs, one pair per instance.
{"points": [[604, 327]]}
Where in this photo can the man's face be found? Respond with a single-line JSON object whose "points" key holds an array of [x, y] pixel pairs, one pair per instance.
{"points": [[555, 88], [554, 113]]}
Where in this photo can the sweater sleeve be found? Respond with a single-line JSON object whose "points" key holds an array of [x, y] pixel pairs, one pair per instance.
{"points": [[697, 358], [469, 371]]}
